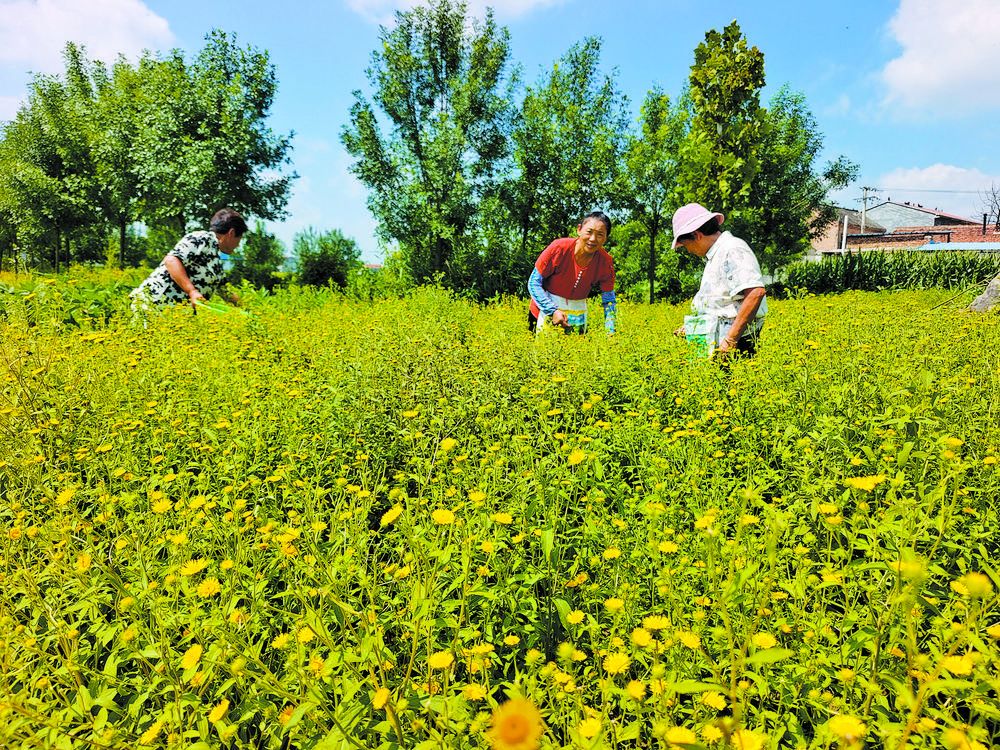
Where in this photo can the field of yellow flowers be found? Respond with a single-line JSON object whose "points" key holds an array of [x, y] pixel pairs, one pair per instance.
{"points": [[407, 524]]}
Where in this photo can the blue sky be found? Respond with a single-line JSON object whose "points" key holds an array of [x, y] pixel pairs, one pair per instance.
{"points": [[905, 88]]}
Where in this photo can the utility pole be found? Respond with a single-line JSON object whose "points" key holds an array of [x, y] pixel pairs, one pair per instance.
{"points": [[864, 204]]}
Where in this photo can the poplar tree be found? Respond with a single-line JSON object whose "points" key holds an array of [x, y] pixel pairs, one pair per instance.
{"points": [[431, 142]]}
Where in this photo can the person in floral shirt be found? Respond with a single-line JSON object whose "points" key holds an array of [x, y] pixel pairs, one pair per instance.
{"points": [[193, 269], [732, 290]]}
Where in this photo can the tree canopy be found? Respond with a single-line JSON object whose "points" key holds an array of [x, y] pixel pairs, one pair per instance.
{"points": [[161, 142], [470, 172]]}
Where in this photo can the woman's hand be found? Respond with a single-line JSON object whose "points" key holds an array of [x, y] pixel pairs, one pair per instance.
{"points": [[560, 318]]}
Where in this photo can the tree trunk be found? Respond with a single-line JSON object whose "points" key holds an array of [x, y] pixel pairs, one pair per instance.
{"points": [[121, 244], [652, 263]]}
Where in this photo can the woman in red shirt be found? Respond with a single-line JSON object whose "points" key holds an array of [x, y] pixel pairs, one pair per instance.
{"points": [[566, 271]]}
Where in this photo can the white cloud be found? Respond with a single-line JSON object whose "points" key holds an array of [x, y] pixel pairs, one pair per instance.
{"points": [[33, 33], [383, 11], [950, 62], [944, 187]]}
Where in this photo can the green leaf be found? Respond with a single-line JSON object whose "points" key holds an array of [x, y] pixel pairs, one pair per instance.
{"points": [[769, 656]]}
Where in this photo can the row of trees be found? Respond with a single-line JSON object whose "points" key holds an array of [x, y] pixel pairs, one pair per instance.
{"points": [[470, 181], [470, 171], [162, 142]]}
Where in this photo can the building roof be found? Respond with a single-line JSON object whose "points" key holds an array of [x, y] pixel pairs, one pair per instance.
{"points": [[951, 218]]}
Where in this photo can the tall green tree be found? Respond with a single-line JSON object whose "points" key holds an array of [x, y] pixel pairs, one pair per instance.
{"points": [[325, 257], [162, 142], [47, 166], [442, 87], [789, 194], [647, 184], [206, 141], [720, 157], [258, 257], [569, 142]]}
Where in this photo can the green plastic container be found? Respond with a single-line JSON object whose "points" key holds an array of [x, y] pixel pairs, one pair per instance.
{"points": [[217, 308]]}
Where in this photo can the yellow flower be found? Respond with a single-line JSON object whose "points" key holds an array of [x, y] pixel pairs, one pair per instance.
{"points": [[511, 640], [151, 734], [614, 604], [713, 700], [474, 692], [680, 736], [516, 725], [689, 639], [191, 657], [128, 635], [744, 739], [616, 663], [711, 733], [305, 634], [576, 456], [847, 727], [827, 509], [219, 711], [958, 664], [655, 622], [280, 641], [575, 617], [866, 483], [209, 587], [316, 665], [956, 739], [441, 660], [487, 547], [380, 699], [993, 631], [667, 548], [611, 553], [447, 444], [978, 585], [391, 515], [636, 689], [191, 567], [589, 727], [443, 517], [162, 506], [764, 640], [83, 562], [641, 637], [846, 674], [503, 518]]}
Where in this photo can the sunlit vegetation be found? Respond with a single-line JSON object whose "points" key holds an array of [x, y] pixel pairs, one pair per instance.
{"points": [[337, 524]]}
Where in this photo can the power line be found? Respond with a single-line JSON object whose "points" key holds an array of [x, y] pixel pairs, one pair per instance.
{"points": [[928, 190]]}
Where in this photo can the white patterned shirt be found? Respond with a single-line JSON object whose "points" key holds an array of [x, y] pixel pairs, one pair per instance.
{"points": [[731, 269], [199, 253]]}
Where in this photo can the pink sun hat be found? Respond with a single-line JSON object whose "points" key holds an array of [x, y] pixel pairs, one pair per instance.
{"points": [[690, 217]]}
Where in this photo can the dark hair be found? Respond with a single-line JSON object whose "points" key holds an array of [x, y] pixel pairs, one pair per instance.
{"points": [[710, 227], [600, 216], [226, 219]]}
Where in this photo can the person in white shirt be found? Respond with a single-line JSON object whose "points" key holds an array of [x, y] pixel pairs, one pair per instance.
{"points": [[732, 290]]}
